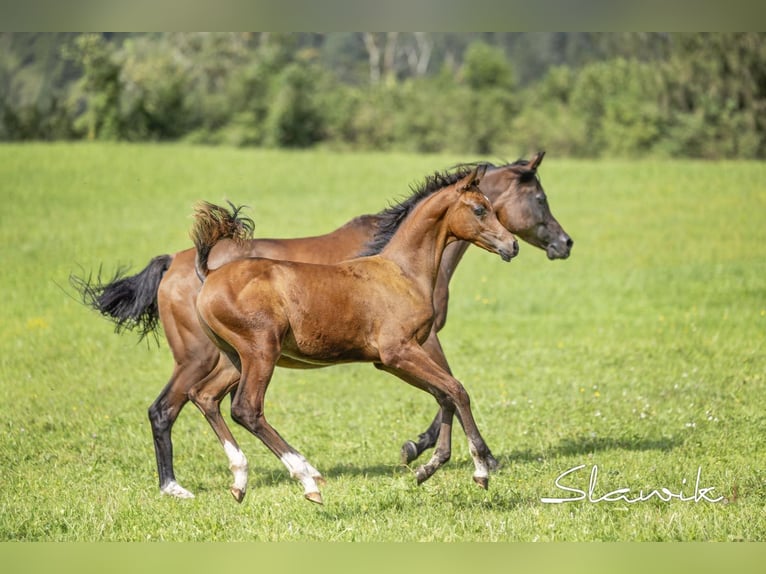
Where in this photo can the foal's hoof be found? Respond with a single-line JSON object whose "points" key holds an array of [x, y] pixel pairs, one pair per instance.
{"points": [[482, 481], [314, 497], [237, 493], [409, 452]]}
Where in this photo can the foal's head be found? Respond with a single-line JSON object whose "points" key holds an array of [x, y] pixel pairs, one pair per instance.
{"points": [[522, 206], [472, 218]]}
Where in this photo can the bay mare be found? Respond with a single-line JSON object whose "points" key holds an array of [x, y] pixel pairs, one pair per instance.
{"points": [[165, 291]]}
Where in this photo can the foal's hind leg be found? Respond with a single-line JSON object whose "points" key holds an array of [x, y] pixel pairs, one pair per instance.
{"points": [[247, 410], [207, 396]]}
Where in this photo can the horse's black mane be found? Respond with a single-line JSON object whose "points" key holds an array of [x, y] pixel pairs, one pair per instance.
{"points": [[391, 218]]}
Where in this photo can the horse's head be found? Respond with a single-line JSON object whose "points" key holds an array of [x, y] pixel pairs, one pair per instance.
{"points": [[473, 219], [522, 207]]}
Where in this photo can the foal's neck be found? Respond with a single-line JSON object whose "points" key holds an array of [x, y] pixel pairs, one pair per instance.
{"points": [[419, 243]]}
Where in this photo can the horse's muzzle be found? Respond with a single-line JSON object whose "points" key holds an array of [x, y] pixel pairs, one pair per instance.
{"points": [[559, 249]]}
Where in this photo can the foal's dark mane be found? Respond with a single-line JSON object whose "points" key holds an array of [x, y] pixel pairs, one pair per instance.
{"points": [[391, 218]]}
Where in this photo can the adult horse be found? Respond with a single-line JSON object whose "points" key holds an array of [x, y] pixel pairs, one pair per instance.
{"points": [[376, 309], [166, 290]]}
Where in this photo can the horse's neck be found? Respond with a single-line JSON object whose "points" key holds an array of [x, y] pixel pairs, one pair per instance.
{"points": [[452, 255], [493, 184]]}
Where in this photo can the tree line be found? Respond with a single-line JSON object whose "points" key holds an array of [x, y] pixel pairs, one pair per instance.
{"points": [[575, 94]]}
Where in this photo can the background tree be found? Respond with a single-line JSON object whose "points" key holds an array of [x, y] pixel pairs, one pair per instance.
{"points": [[99, 88], [573, 93]]}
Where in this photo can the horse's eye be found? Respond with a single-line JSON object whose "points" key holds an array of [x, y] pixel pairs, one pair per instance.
{"points": [[479, 211]]}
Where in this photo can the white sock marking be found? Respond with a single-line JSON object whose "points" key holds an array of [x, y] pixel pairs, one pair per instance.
{"points": [[237, 465], [172, 488], [300, 469]]}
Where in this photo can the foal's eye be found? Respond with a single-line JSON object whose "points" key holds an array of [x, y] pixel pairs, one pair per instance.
{"points": [[479, 211]]}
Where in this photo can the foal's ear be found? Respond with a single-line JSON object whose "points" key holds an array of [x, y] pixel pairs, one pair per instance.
{"points": [[474, 178], [535, 161]]}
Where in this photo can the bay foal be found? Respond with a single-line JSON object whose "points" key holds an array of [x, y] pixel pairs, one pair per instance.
{"points": [[376, 309]]}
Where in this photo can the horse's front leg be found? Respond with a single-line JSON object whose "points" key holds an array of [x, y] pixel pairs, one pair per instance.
{"points": [[411, 450], [413, 365]]}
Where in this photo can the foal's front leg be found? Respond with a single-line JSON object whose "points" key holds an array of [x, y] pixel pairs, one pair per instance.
{"points": [[423, 372], [411, 450]]}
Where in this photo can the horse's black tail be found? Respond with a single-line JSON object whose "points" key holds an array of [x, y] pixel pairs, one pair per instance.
{"points": [[130, 302], [213, 223]]}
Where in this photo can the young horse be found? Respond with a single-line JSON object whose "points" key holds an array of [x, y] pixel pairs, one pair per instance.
{"points": [[375, 309], [167, 289]]}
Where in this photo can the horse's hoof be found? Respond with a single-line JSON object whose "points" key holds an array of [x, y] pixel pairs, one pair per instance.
{"points": [[314, 497], [237, 493], [422, 474], [172, 488], [409, 452], [482, 481]]}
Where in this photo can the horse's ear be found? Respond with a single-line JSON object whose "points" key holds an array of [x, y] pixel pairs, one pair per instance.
{"points": [[535, 161]]}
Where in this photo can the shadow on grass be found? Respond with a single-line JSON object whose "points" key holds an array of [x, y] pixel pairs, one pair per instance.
{"points": [[584, 445], [272, 478]]}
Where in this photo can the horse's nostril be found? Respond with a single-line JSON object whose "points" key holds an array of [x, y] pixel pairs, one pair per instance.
{"points": [[569, 242], [515, 247]]}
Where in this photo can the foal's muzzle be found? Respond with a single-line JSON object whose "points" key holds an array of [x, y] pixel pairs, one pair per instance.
{"points": [[510, 253]]}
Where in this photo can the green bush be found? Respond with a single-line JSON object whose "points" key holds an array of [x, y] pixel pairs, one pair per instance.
{"points": [[153, 92], [697, 95], [295, 119], [621, 104]]}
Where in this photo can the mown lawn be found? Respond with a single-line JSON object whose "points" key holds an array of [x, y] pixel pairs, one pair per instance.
{"points": [[643, 355]]}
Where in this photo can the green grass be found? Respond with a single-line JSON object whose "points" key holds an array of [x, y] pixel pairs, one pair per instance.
{"points": [[644, 354]]}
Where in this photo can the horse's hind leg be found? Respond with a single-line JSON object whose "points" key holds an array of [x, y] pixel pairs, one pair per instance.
{"points": [[165, 410], [207, 396]]}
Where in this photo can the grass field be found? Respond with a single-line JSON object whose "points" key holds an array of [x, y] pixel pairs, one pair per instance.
{"points": [[644, 355]]}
